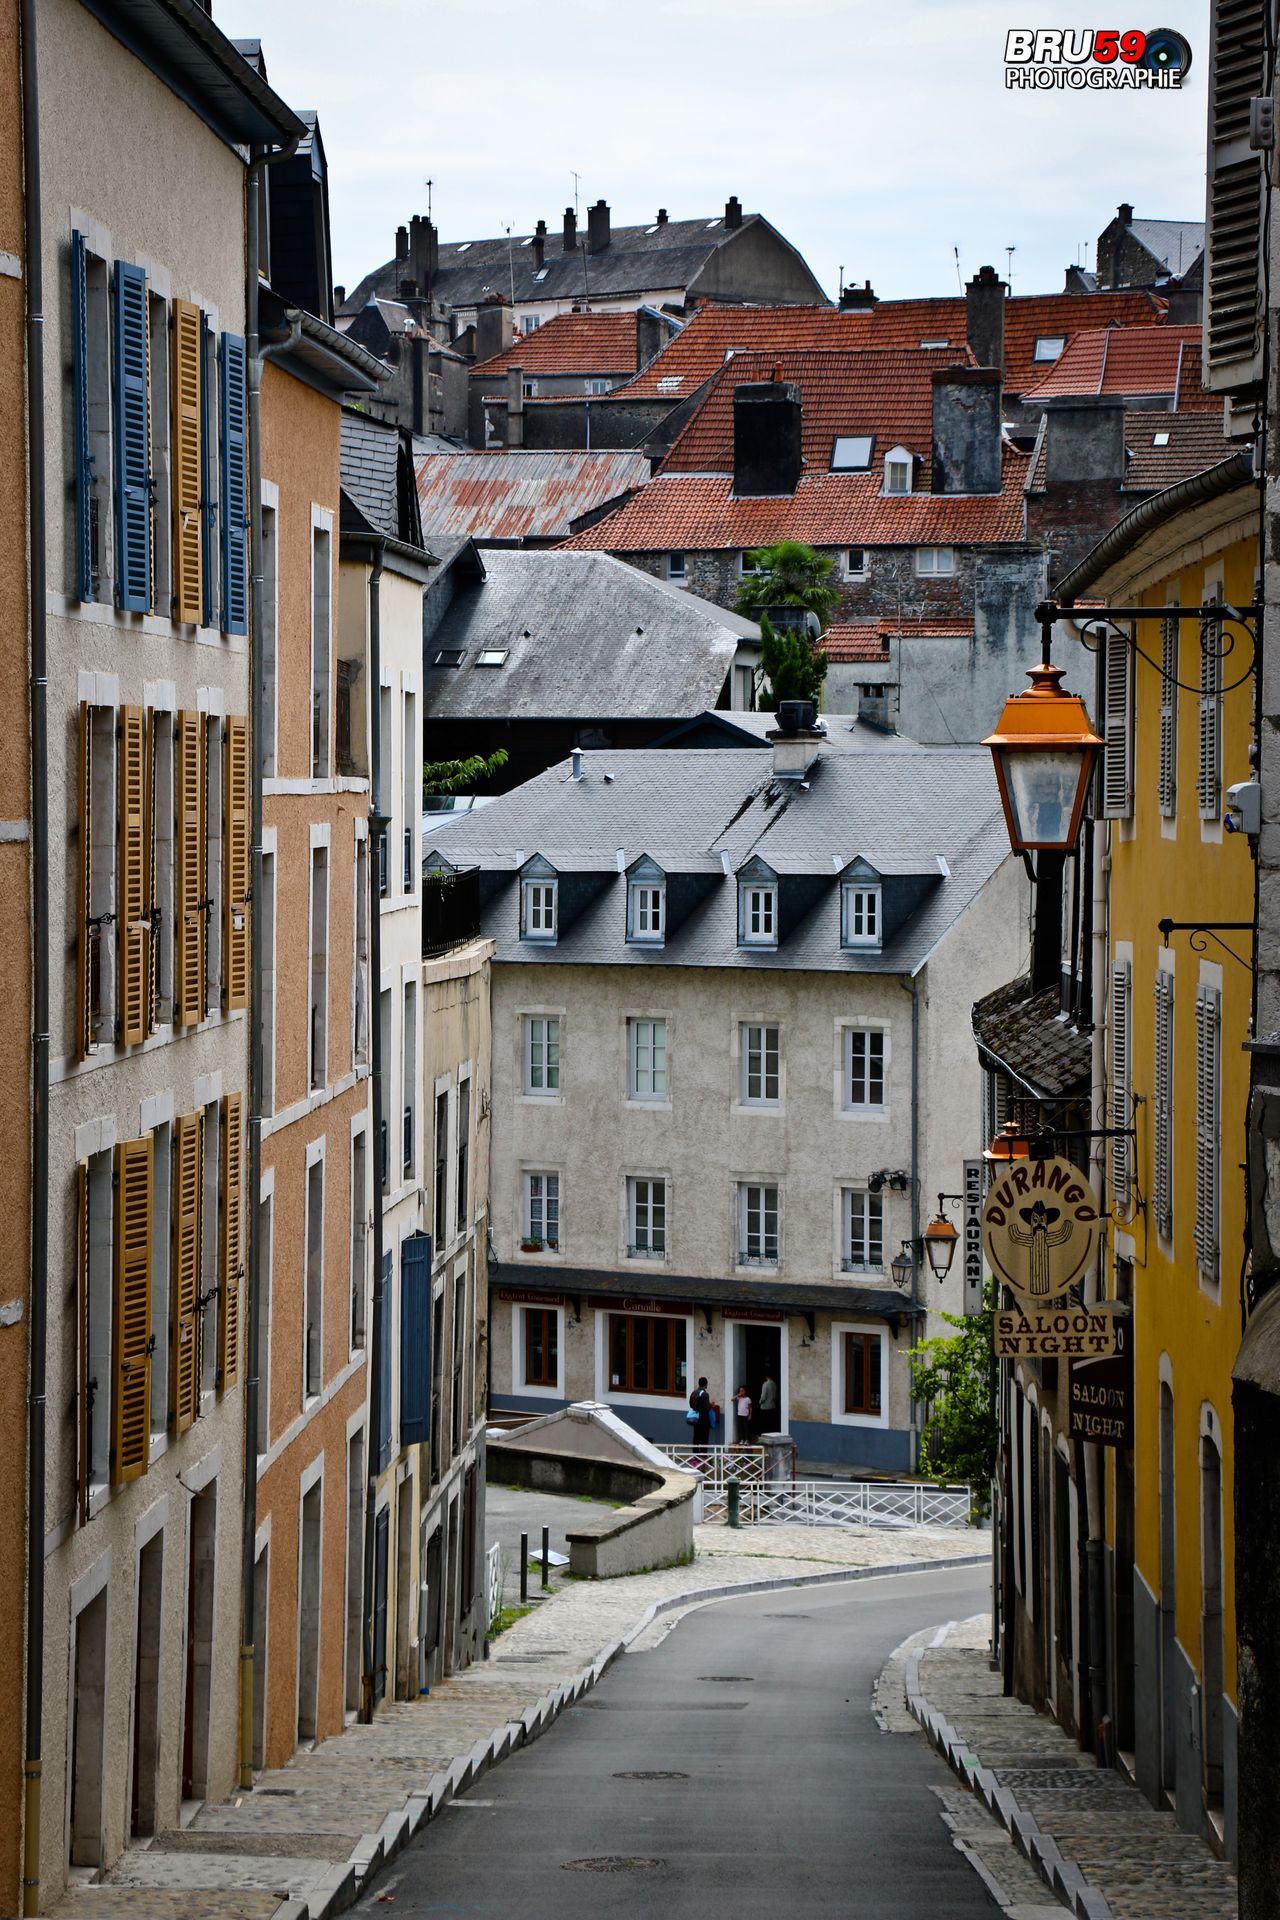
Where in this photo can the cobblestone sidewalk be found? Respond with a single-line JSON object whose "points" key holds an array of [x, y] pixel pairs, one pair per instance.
{"points": [[305, 1841], [1093, 1838]]}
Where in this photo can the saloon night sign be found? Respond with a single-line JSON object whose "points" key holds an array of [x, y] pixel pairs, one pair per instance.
{"points": [[1040, 1227]]}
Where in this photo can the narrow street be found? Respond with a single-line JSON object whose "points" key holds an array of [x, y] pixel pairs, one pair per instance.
{"points": [[737, 1768]]}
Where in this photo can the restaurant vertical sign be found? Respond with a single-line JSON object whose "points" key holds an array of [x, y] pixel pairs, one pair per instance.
{"points": [[974, 1181]]}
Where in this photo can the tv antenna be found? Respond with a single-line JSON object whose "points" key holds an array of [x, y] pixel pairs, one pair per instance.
{"points": [[429, 184], [1008, 265], [577, 178], [959, 276]]}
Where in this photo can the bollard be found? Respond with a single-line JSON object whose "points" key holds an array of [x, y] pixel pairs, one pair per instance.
{"points": [[546, 1556], [733, 1489], [524, 1569]]}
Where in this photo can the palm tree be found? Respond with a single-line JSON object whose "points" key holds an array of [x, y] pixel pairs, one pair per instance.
{"points": [[789, 574]]}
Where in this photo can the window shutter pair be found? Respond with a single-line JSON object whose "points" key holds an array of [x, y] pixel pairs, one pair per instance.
{"points": [[134, 903], [86, 932], [235, 864], [85, 583], [231, 1251], [131, 1312], [132, 439], [235, 519], [188, 1171], [187, 462], [1117, 731], [191, 870], [1163, 1116], [1121, 1104], [1169, 718], [1210, 781], [1208, 1144], [1234, 240], [382, 1412], [415, 1339], [84, 1390]]}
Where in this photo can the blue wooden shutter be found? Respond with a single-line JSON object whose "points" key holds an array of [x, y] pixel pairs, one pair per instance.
{"points": [[235, 523], [84, 457], [380, 1559], [208, 505], [133, 440], [415, 1339], [382, 1412]]}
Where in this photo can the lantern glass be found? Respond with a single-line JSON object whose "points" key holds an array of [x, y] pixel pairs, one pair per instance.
{"points": [[940, 1239], [901, 1266], [1042, 785]]}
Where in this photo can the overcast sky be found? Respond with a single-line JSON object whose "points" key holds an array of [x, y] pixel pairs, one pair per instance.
{"points": [[875, 136]]}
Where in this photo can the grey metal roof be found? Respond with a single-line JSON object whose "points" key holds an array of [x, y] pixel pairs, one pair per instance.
{"points": [[179, 42], [932, 811], [587, 637], [1177, 243], [521, 494]]}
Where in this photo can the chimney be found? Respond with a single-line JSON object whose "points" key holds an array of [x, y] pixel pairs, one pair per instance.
{"points": [[873, 708], [984, 298], [515, 406], [858, 299], [966, 430], [493, 327], [795, 740], [662, 216], [733, 212], [424, 251], [651, 335], [766, 438], [597, 227], [402, 243], [539, 245], [575, 763], [570, 230], [1084, 443], [1124, 214], [339, 296]]}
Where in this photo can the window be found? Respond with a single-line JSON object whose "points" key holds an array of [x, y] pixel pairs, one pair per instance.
{"points": [[409, 1082], [598, 386], [855, 563], [860, 917], [1208, 1129], [1160, 439], [1117, 727], [1168, 786], [441, 1215], [270, 638], [313, 1378], [1210, 779], [541, 1347], [319, 967], [538, 909], [648, 1053], [542, 1054], [744, 689], [492, 656], [676, 567], [747, 563], [1121, 1103], [530, 389], [215, 829], [1162, 1186], [164, 528], [761, 1055], [898, 471], [862, 1373], [131, 384], [233, 485], [384, 1124], [647, 900], [267, 908], [411, 773], [321, 595], [449, 657], [462, 1198], [851, 453], [758, 915], [359, 1233], [210, 1204], [360, 976], [94, 1238], [98, 925], [92, 401], [757, 1225], [266, 1227], [646, 1217], [541, 1213], [161, 1248], [1049, 346], [935, 343], [647, 1354], [864, 1067], [862, 1235], [935, 560], [190, 871], [530, 321], [671, 383]]}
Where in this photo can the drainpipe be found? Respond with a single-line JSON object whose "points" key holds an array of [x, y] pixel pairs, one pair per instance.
{"points": [[40, 967], [1088, 1456], [912, 987], [378, 822]]}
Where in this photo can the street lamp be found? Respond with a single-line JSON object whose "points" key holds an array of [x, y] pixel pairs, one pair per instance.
{"points": [[1011, 1143], [940, 1241], [1044, 749], [902, 1266]]}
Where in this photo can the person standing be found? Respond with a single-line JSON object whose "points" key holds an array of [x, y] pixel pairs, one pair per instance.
{"points": [[700, 1402], [742, 1409], [769, 1404]]}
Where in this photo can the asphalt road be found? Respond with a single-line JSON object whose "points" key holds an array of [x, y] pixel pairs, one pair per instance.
{"points": [[787, 1801]]}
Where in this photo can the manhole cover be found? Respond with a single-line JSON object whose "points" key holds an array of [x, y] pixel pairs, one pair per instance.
{"points": [[642, 1774], [731, 1679], [613, 1863]]}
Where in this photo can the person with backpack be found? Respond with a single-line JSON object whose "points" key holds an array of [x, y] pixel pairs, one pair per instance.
{"points": [[700, 1404]]}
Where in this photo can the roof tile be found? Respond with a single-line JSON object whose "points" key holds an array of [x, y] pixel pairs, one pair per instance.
{"points": [[571, 343]]}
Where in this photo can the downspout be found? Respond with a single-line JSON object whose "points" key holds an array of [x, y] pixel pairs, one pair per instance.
{"points": [[377, 837], [40, 967], [1089, 1457], [912, 987]]}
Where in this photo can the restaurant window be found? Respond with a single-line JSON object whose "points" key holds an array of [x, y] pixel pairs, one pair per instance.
{"points": [[541, 1347], [862, 1373], [647, 1354]]}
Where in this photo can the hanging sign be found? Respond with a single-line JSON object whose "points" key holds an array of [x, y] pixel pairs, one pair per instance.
{"points": [[1040, 1228], [974, 1177], [1053, 1333], [1100, 1400]]}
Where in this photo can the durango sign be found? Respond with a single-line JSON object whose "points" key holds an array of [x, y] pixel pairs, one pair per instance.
{"points": [[1040, 1228]]}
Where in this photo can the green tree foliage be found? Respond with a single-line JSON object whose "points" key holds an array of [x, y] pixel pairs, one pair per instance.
{"points": [[456, 776], [789, 574], [791, 667], [954, 1376]]}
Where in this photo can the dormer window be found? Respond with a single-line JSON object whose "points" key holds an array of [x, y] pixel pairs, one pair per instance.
{"points": [[538, 902], [851, 453], [860, 921], [758, 913], [648, 913], [1049, 346], [897, 470]]}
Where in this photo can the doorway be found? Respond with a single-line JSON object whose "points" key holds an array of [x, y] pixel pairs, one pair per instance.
{"points": [[146, 1688], [355, 1568], [405, 1543], [1212, 1650], [451, 1592], [202, 1531], [431, 1591], [1168, 1604], [1123, 1706], [309, 1615], [757, 1352], [261, 1627], [380, 1544], [88, 1729]]}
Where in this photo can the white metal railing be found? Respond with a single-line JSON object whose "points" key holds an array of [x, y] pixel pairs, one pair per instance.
{"points": [[493, 1582], [889, 1504], [717, 1464]]}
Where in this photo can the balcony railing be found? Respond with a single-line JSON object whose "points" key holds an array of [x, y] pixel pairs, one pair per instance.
{"points": [[407, 1154], [408, 859], [450, 910]]}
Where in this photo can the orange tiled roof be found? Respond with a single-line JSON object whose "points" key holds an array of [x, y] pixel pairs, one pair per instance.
{"points": [[1194, 442], [571, 343], [868, 639], [696, 512], [1123, 360]]}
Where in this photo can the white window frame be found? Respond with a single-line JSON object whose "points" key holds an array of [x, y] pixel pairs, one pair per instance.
{"points": [[758, 1049], [647, 902], [864, 1034], [1208, 1210], [861, 902], [678, 573], [1120, 1067], [758, 900], [936, 562], [1056, 341], [898, 460], [745, 571], [1170, 656], [861, 1208], [752, 1197], [866, 440], [315, 1158], [547, 1040], [321, 534], [657, 1047], [1162, 1128], [1209, 770], [540, 900], [839, 1418], [527, 1211], [850, 571], [653, 1205]]}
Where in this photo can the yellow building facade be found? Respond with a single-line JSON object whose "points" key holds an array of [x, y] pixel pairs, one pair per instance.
{"points": [[1178, 726]]}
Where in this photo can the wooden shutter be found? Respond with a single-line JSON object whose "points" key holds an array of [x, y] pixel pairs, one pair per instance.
{"points": [[131, 1313], [382, 1409], [83, 453], [189, 912], [132, 439], [84, 1393], [1169, 718], [1121, 1105], [231, 1261], [184, 1282], [1210, 781], [133, 906], [235, 864], [1117, 734], [415, 1339], [1162, 1194], [86, 932], [1234, 236], [156, 721], [185, 463], [208, 505], [235, 523], [1208, 1144]]}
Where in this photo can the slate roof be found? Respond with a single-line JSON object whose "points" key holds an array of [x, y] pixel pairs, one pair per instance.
{"points": [[1124, 360], [843, 733], [1195, 441], [869, 639], [377, 492], [942, 806], [571, 343], [1177, 244], [587, 637], [695, 513], [1032, 1039], [518, 495]]}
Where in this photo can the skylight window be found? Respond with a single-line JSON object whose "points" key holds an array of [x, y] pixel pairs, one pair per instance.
{"points": [[712, 223], [670, 383], [935, 343], [449, 657], [1160, 440], [1049, 345], [528, 242], [492, 656], [851, 453], [651, 229], [542, 273], [465, 245]]}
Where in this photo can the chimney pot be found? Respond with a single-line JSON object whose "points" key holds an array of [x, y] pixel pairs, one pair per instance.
{"points": [[795, 740], [575, 763], [767, 457], [598, 227], [339, 296], [733, 212], [539, 245], [858, 299], [967, 436], [984, 299], [570, 230], [402, 243], [662, 216], [1124, 214]]}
